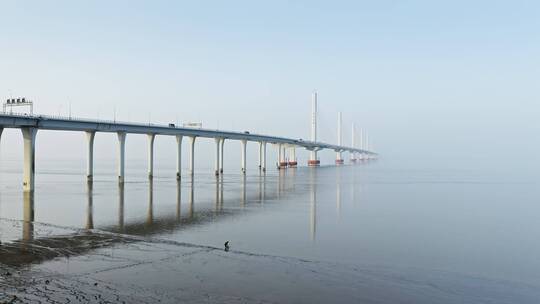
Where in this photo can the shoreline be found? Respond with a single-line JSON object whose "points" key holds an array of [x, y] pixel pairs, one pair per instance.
{"points": [[73, 265]]}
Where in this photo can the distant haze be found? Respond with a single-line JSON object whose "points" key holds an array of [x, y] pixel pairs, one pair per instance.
{"points": [[454, 83]]}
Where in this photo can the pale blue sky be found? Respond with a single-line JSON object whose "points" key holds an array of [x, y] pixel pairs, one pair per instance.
{"points": [[430, 80]]}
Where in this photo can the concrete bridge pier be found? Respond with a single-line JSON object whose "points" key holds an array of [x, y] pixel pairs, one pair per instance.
{"points": [[282, 161], [90, 157], [243, 198], [263, 156], [178, 200], [121, 155], [244, 144], [151, 138], [216, 163], [292, 157], [29, 142], [313, 159], [121, 207], [279, 156], [221, 153], [191, 199], [150, 212], [90, 206], [192, 155], [260, 155], [28, 216], [179, 157], [339, 159]]}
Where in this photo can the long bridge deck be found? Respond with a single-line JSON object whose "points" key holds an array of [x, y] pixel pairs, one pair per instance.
{"points": [[30, 124], [58, 123]]}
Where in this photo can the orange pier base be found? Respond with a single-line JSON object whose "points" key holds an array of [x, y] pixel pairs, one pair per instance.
{"points": [[313, 163]]}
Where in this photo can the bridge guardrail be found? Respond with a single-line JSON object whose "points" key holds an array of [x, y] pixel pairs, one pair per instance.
{"points": [[304, 143]]}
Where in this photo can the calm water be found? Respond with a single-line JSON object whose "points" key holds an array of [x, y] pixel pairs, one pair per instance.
{"points": [[367, 233]]}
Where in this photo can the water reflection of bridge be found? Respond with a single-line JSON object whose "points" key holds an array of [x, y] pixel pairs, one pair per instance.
{"points": [[31, 249]]}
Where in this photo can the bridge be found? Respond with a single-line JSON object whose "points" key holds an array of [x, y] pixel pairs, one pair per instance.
{"points": [[29, 124]]}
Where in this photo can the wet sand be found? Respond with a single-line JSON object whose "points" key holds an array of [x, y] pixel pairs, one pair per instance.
{"points": [[67, 265]]}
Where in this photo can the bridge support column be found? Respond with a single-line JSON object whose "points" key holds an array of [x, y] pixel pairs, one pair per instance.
{"points": [[90, 206], [244, 143], [29, 142], [90, 157], [179, 157], [263, 162], [292, 157], [121, 207], [221, 144], [260, 155], [339, 159], [192, 155], [283, 156], [151, 138], [28, 216], [216, 163], [313, 161], [121, 155], [280, 150]]}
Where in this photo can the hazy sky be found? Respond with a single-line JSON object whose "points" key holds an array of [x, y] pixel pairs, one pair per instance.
{"points": [[431, 80]]}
